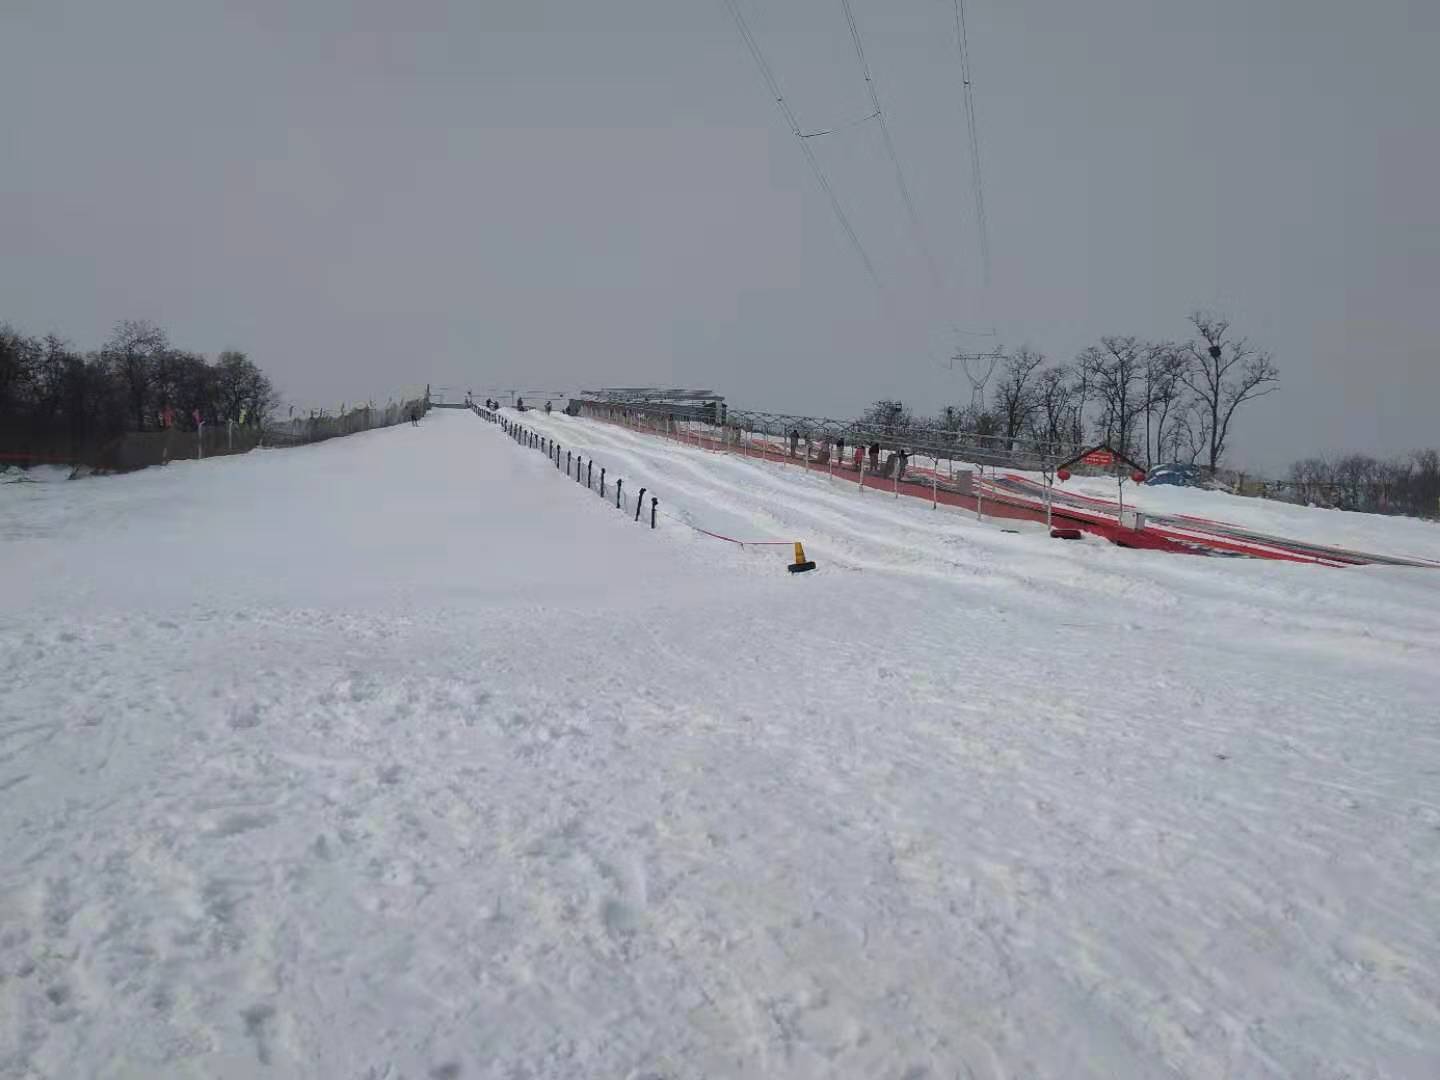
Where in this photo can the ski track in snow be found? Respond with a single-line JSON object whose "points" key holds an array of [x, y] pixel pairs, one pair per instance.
{"points": [[396, 756]]}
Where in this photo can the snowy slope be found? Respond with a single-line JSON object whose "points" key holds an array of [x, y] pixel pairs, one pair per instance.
{"points": [[1309, 524], [400, 756]]}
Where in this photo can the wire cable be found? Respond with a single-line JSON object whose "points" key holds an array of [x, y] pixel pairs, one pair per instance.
{"points": [[768, 75], [915, 226], [962, 46]]}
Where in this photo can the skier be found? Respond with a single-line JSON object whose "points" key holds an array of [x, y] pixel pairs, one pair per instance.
{"points": [[874, 456], [547, 408], [901, 457], [794, 441], [415, 416]]}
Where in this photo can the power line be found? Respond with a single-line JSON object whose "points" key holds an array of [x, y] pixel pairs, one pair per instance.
{"points": [[842, 127], [914, 215], [768, 75], [962, 46]]}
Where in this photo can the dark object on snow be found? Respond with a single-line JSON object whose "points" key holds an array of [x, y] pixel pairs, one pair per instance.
{"points": [[801, 564], [1065, 534], [1176, 474]]}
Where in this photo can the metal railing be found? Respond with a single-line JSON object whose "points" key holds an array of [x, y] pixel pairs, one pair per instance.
{"points": [[821, 435]]}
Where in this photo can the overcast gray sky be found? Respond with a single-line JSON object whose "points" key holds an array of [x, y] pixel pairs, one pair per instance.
{"points": [[368, 196]]}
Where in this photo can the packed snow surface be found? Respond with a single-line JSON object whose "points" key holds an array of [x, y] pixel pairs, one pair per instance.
{"points": [[403, 756]]}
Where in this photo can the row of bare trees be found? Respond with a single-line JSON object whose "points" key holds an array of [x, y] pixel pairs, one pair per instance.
{"points": [[55, 397], [1154, 400], [1409, 485]]}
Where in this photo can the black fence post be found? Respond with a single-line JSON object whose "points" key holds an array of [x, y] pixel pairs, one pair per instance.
{"points": [[638, 502], [654, 502], [567, 464], [602, 481], [618, 484], [590, 473]]}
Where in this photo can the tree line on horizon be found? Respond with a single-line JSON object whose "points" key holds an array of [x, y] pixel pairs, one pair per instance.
{"points": [[1155, 401], [1160, 402], [52, 394]]}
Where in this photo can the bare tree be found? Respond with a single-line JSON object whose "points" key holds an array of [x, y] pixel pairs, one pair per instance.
{"points": [[951, 422], [1015, 398], [1223, 373], [131, 353], [1056, 400], [1117, 364], [1163, 365], [242, 392], [892, 419], [1310, 478], [1191, 433], [1085, 377]]}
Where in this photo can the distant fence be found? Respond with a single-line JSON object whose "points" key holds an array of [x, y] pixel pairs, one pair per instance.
{"points": [[141, 449], [300, 430]]}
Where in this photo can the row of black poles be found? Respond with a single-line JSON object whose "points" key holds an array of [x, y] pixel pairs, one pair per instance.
{"points": [[483, 413], [536, 441]]}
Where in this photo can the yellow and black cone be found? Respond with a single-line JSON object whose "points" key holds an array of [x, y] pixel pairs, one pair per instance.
{"points": [[801, 564]]}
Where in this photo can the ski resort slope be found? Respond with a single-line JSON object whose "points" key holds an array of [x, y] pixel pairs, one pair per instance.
{"points": [[403, 756]]}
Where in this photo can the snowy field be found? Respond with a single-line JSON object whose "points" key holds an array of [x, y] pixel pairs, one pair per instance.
{"points": [[1336, 528], [400, 756]]}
